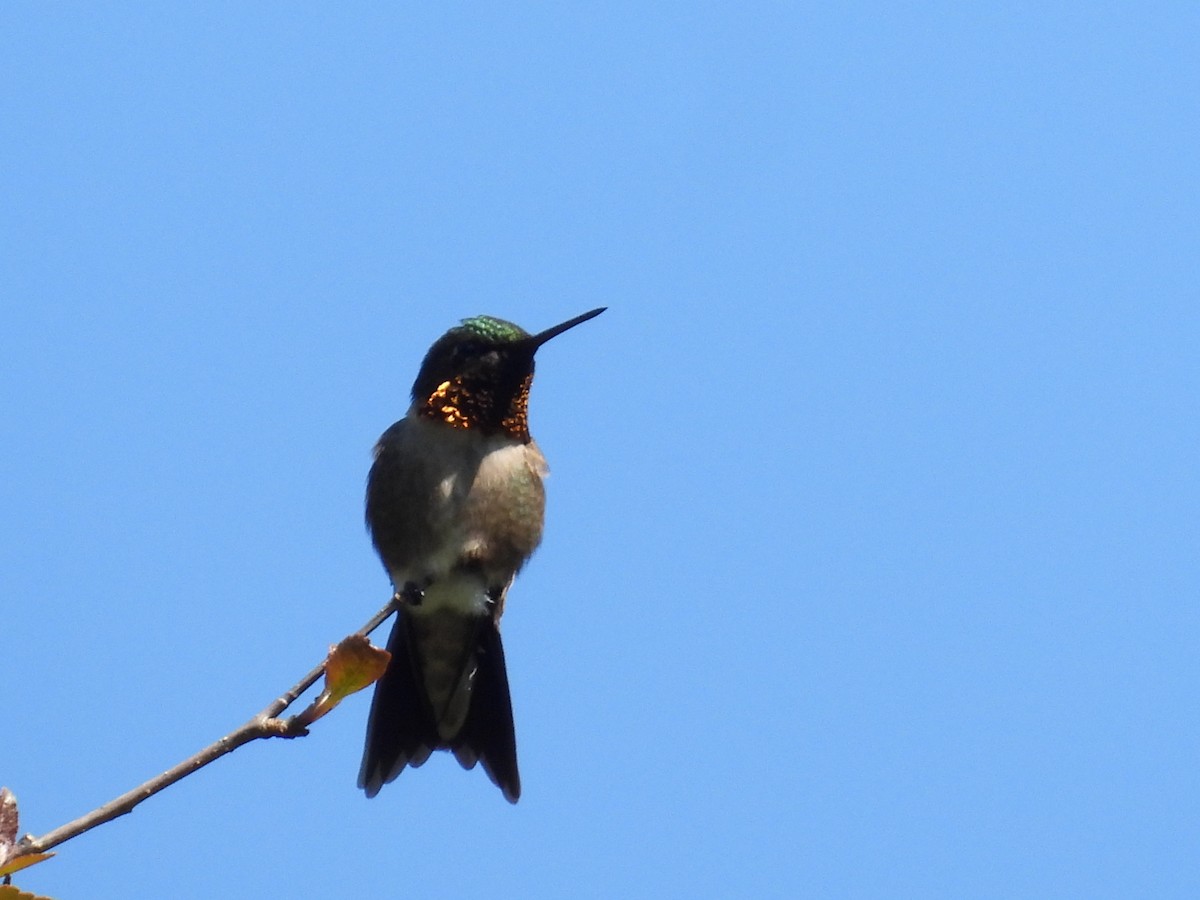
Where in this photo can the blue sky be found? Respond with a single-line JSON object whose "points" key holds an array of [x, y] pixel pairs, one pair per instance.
{"points": [[871, 561]]}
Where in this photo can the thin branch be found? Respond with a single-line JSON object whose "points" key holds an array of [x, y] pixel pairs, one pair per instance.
{"points": [[266, 724]]}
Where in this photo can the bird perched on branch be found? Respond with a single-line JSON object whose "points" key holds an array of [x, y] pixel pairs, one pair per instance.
{"points": [[454, 506]]}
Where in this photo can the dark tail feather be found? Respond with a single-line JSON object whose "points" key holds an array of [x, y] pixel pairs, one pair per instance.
{"points": [[400, 728], [488, 736]]}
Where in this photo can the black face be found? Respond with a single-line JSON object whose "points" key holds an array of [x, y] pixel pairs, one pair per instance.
{"points": [[478, 365]]}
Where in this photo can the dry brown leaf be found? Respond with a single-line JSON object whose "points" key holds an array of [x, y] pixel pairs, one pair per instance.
{"points": [[9, 822]]}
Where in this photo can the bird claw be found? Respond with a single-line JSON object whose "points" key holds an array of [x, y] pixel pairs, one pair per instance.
{"points": [[411, 594]]}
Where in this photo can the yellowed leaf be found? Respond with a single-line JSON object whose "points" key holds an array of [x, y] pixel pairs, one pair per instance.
{"points": [[8, 892], [351, 666], [23, 862]]}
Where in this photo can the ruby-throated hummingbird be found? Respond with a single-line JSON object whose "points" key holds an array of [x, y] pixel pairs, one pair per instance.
{"points": [[454, 506]]}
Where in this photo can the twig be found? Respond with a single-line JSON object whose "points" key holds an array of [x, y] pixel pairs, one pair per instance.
{"points": [[266, 724]]}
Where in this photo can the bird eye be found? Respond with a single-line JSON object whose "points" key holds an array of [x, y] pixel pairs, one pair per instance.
{"points": [[468, 349]]}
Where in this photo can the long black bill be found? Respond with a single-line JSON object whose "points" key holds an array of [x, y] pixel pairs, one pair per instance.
{"points": [[538, 339]]}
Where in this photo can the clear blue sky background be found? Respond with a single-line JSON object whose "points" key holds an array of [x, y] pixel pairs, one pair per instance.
{"points": [[871, 562]]}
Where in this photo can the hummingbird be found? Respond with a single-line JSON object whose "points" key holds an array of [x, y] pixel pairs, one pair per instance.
{"points": [[455, 506]]}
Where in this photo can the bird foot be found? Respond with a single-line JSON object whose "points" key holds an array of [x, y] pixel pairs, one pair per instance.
{"points": [[411, 594]]}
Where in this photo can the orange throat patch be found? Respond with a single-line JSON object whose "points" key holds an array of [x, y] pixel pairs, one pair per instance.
{"points": [[460, 406]]}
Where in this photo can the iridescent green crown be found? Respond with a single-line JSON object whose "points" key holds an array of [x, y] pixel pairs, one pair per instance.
{"points": [[494, 330]]}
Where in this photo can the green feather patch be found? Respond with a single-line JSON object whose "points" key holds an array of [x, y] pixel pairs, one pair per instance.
{"points": [[493, 329]]}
